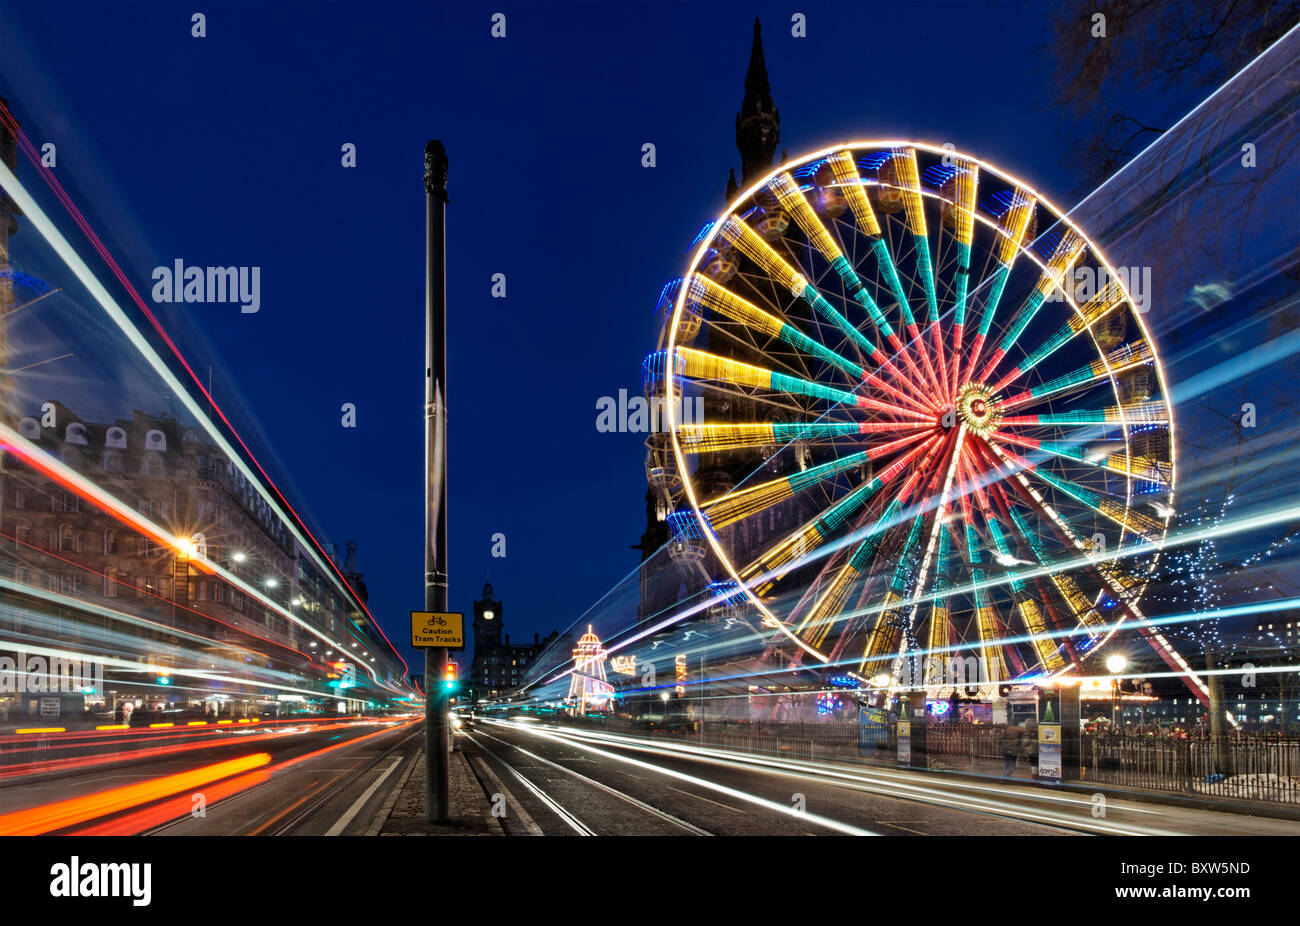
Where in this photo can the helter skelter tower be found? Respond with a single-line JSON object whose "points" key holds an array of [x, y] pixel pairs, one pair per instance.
{"points": [[588, 688]]}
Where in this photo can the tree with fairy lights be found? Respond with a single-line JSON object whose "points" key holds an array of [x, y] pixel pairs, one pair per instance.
{"points": [[1202, 578]]}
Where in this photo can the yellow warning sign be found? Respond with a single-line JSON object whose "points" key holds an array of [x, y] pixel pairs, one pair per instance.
{"points": [[437, 628]]}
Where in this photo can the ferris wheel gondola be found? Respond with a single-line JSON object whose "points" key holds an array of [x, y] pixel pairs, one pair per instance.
{"points": [[945, 420]]}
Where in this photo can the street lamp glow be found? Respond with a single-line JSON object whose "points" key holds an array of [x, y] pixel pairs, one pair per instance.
{"points": [[1116, 664], [297, 601], [239, 557], [271, 583], [882, 680]]}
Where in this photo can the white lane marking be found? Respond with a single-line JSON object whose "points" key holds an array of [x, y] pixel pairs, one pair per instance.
{"points": [[342, 822]]}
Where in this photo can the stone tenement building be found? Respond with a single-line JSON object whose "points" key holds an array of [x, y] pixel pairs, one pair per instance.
{"points": [[148, 601]]}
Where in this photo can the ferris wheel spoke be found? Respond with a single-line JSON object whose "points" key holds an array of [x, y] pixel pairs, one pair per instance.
{"points": [[1013, 223], [1128, 519], [1068, 251], [825, 599], [1122, 358], [817, 531], [1136, 414], [846, 174], [823, 612], [705, 367], [886, 637], [849, 181], [1031, 616], [1121, 583], [743, 503], [988, 629], [1094, 310], [739, 235], [914, 343], [792, 200], [1135, 465], [909, 184], [891, 623], [964, 181], [713, 438], [705, 293], [940, 634], [956, 471], [1082, 610], [697, 439]]}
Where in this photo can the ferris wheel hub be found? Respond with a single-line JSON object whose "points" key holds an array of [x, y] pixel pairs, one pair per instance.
{"points": [[963, 401], [978, 409]]}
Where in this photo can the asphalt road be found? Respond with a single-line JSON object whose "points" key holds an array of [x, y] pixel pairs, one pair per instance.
{"points": [[566, 780], [279, 779]]}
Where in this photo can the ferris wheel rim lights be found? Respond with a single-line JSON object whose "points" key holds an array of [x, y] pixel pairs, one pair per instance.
{"points": [[976, 400]]}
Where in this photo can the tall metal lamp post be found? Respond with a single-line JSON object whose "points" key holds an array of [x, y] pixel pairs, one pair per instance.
{"points": [[437, 733]]}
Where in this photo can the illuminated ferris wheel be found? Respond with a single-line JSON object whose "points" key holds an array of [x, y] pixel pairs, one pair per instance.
{"points": [[933, 422]]}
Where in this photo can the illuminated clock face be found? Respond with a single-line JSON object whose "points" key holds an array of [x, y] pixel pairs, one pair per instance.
{"points": [[488, 615]]}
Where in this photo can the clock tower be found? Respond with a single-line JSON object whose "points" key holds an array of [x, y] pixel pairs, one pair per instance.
{"points": [[487, 623]]}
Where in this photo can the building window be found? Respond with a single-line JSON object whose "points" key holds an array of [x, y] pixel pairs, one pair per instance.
{"points": [[111, 462], [110, 543], [20, 497]]}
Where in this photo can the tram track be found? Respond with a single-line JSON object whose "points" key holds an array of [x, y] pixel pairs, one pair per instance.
{"points": [[569, 818]]}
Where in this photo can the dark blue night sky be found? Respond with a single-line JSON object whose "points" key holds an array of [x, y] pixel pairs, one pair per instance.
{"points": [[226, 150]]}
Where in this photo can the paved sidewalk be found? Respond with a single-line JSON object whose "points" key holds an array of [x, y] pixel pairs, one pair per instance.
{"points": [[402, 813]]}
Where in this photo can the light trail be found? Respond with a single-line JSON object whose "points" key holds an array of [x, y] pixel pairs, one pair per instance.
{"points": [[784, 809], [75, 482], [61, 814], [970, 796], [38, 219]]}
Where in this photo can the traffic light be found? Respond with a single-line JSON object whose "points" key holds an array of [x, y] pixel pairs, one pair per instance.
{"points": [[164, 680], [449, 676]]}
